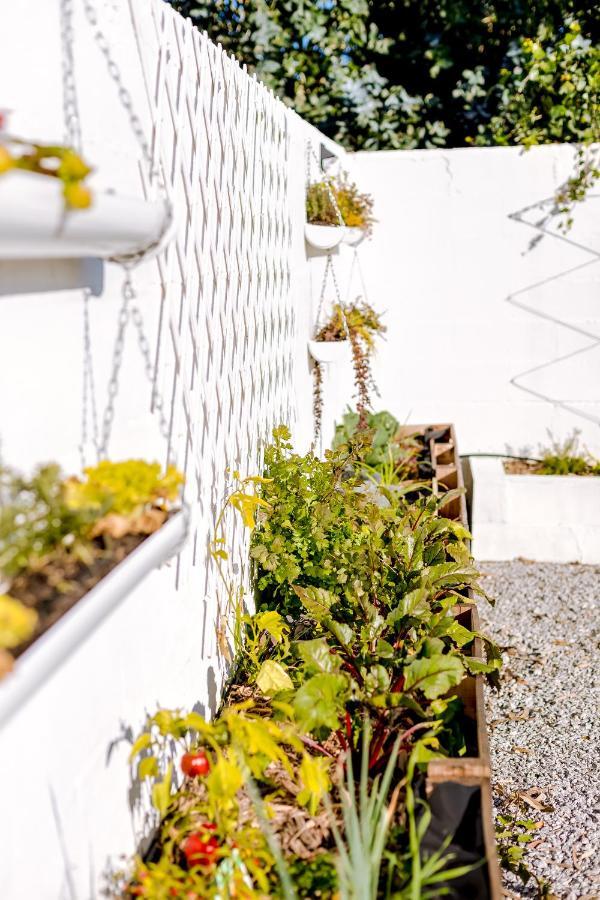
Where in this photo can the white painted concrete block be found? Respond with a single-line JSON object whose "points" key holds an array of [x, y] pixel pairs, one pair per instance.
{"points": [[539, 517]]}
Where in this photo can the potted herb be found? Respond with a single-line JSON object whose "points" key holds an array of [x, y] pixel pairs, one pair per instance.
{"points": [[336, 211], [353, 328]]}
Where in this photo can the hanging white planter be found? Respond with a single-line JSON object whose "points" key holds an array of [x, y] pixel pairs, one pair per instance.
{"points": [[353, 236], [38, 663], [329, 351], [323, 237], [34, 223]]}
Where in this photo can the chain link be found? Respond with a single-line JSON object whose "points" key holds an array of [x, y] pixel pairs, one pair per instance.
{"points": [[129, 311], [89, 387], [70, 104], [329, 267]]}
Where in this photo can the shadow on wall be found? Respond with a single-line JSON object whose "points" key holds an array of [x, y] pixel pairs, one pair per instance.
{"points": [[37, 276], [522, 380]]}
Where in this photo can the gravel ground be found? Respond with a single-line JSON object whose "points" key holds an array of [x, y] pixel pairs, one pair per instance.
{"points": [[545, 722]]}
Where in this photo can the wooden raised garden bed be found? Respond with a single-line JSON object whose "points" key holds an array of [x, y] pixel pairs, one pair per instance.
{"points": [[446, 474], [470, 776]]}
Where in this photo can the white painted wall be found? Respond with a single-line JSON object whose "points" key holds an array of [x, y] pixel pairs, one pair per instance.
{"points": [[501, 340]]}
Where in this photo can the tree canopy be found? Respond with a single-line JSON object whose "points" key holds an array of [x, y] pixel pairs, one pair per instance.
{"points": [[421, 73]]}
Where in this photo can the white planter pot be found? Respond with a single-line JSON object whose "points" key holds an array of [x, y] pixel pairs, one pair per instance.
{"points": [[84, 689], [323, 237], [38, 662], [330, 352], [34, 224], [354, 236], [548, 518]]}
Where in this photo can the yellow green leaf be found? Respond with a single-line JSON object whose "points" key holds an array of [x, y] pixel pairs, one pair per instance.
{"points": [[314, 776], [143, 741], [17, 622], [272, 678], [161, 792]]}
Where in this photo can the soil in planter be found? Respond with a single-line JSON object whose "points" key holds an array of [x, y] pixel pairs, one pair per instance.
{"points": [[60, 583], [522, 467]]}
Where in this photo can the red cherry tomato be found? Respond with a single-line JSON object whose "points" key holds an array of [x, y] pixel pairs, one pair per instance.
{"points": [[195, 765], [200, 849]]}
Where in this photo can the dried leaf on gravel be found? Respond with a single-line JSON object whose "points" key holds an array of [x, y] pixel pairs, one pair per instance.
{"points": [[534, 797]]}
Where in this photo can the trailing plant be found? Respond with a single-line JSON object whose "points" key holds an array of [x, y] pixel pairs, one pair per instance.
{"points": [[360, 324], [53, 160], [338, 201]]}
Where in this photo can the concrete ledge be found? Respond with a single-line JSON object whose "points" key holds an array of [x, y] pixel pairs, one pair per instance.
{"points": [[549, 518]]}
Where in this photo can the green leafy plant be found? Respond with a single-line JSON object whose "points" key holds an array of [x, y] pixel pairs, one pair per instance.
{"points": [[36, 521], [53, 160], [360, 324], [565, 458], [351, 659], [367, 816], [550, 92], [386, 455]]}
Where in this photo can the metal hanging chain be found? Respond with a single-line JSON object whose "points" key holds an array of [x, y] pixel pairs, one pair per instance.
{"points": [[355, 264], [70, 104], [89, 387], [89, 414], [129, 311], [329, 268], [154, 171]]}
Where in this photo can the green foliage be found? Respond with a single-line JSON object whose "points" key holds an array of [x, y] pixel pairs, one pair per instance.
{"points": [[316, 877], [355, 646], [411, 74], [385, 455], [565, 458], [35, 520], [367, 815], [550, 93], [320, 206], [47, 514]]}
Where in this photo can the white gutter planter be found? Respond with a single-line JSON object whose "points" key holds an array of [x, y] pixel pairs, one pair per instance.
{"points": [[35, 224], [546, 518], [323, 237], [40, 661]]}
